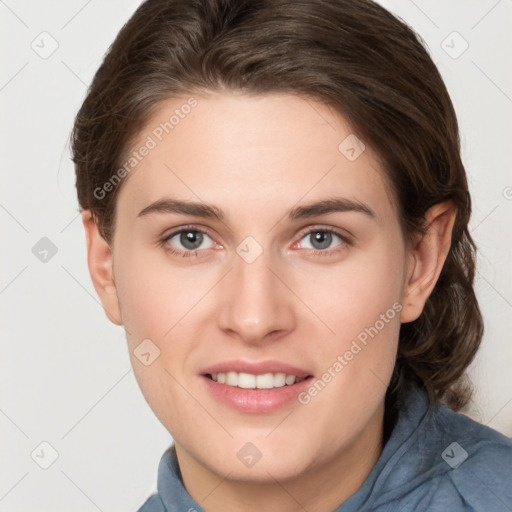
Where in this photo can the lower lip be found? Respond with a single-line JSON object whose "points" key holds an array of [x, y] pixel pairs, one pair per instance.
{"points": [[255, 400]]}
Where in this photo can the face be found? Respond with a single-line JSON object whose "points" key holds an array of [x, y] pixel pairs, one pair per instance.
{"points": [[252, 249]]}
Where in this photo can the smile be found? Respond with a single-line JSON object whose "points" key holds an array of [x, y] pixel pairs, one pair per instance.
{"points": [[252, 381]]}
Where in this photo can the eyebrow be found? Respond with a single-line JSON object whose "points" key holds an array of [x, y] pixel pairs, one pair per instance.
{"points": [[168, 205], [334, 205], [207, 211]]}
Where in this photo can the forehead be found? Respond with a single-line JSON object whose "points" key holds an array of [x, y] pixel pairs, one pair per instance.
{"points": [[251, 152]]}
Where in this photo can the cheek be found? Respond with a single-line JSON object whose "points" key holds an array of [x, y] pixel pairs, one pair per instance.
{"points": [[154, 295], [154, 298], [164, 304], [361, 304], [354, 293], [356, 366]]}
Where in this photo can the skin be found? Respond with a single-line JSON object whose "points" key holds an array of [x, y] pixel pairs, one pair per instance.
{"points": [[255, 158]]}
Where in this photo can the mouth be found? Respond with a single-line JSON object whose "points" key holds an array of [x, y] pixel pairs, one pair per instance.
{"points": [[255, 386], [256, 381]]}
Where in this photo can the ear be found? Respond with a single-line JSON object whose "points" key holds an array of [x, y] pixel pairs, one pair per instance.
{"points": [[99, 260], [426, 258]]}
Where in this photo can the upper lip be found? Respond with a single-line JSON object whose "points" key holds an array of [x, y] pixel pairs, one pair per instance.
{"points": [[255, 368]]}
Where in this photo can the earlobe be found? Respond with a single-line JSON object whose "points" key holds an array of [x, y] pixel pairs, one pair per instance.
{"points": [[99, 260], [426, 259]]}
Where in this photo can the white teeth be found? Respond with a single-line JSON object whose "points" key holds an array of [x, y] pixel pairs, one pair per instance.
{"points": [[270, 380], [246, 381], [232, 379], [290, 379], [250, 381]]}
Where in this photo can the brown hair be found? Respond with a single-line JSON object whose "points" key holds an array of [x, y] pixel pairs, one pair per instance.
{"points": [[350, 54]]}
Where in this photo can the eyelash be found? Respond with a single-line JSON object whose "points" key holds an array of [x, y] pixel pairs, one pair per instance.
{"points": [[183, 254], [196, 253]]}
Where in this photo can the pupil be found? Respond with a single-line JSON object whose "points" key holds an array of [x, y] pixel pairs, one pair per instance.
{"points": [[321, 240], [191, 239]]}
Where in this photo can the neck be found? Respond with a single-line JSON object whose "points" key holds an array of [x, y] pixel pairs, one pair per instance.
{"points": [[323, 488]]}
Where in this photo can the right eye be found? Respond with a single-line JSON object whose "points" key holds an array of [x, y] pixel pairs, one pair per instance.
{"points": [[188, 241]]}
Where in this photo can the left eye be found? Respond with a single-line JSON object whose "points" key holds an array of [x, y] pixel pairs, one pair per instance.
{"points": [[321, 239], [189, 239]]}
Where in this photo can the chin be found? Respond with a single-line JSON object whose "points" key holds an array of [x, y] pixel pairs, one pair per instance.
{"points": [[260, 461]]}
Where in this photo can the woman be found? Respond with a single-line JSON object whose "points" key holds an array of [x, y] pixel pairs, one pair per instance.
{"points": [[277, 212]]}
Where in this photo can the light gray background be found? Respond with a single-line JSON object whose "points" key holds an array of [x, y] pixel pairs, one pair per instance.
{"points": [[65, 374]]}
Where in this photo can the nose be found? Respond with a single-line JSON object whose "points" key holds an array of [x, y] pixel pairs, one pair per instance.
{"points": [[256, 305]]}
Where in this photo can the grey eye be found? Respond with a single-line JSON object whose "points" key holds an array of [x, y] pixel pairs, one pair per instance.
{"points": [[189, 240], [320, 239]]}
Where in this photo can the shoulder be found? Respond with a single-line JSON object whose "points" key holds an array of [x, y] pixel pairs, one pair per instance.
{"points": [[477, 463], [473, 443], [438, 460]]}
